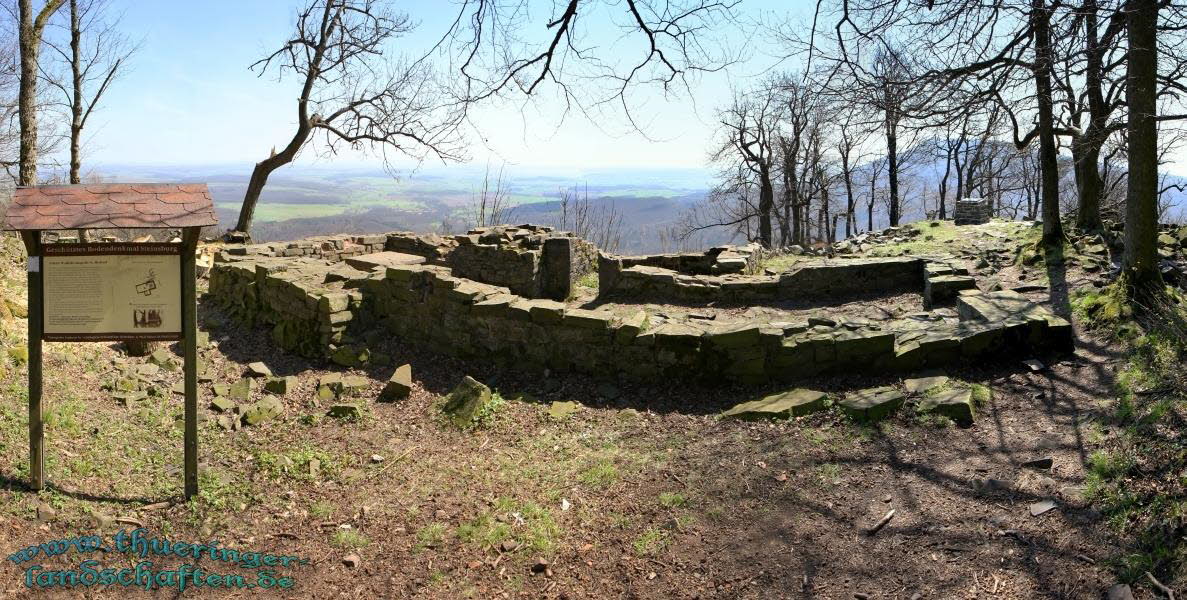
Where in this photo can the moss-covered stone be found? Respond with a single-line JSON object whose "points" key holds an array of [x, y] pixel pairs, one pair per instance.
{"points": [[240, 391], [280, 385], [266, 409], [163, 359], [956, 404], [345, 411], [465, 403], [18, 354]]}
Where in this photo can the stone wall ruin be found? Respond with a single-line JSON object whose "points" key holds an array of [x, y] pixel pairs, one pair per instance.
{"points": [[317, 307]]}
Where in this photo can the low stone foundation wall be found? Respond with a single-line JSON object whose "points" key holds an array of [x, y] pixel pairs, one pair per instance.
{"points": [[721, 260], [305, 316], [531, 260], [430, 305], [827, 279]]}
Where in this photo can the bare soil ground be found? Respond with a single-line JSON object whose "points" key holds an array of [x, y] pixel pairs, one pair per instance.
{"points": [[644, 492]]}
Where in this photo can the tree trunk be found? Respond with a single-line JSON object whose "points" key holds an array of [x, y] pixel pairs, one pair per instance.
{"points": [[870, 206], [77, 100], [27, 102], [850, 219], [892, 165], [264, 168], [1087, 167], [943, 211], [766, 204], [1040, 15], [1140, 261]]}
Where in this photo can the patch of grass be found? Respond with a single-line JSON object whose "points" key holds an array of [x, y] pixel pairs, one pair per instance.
{"points": [[221, 491], [829, 472], [672, 500], [932, 420], [488, 413], [602, 474], [349, 539], [650, 542], [982, 394], [304, 463], [589, 280], [1137, 477], [484, 531], [429, 536], [321, 509]]}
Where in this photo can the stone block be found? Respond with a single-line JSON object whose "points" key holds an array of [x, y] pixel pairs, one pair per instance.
{"points": [[266, 409], [940, 289], [676, 335], [546, 312], [873, 404], [851, 345], [345, 411], [631, 326], [587, 319], [383, 260], [333, 303], [925, 383], [280, 385], [956, 404], [792, 403], [398, 386], [241, 390], [735, 336]]}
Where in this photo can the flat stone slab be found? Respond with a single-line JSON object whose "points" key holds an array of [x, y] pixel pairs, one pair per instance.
{"points": [[922, 385], [369, 262], [955, 404], [871, 405], [559, 411], [997, 306], [793, 403]]}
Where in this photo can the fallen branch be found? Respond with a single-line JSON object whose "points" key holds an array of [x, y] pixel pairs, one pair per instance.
{"points": [[1162, 588], [880, 524]]}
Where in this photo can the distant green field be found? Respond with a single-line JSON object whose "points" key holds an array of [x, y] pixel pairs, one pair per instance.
{"points": [[279, 211]]}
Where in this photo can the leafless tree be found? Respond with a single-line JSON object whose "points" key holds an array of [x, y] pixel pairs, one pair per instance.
{"points": [[746, 153], [599, 223], [95, 54], [499, 47], [355, 94], [490, 204]]}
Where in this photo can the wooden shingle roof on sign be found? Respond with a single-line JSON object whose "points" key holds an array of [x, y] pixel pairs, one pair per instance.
{"points": [[110, 206]]}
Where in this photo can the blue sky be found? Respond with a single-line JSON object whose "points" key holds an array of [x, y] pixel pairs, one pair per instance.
{"points": [[190, 98]]}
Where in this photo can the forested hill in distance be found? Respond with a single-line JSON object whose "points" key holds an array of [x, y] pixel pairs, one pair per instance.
{"points": [[318, 200], [304, 201]]}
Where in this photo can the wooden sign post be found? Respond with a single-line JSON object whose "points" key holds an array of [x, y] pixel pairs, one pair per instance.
{"points": [[112, 291]]}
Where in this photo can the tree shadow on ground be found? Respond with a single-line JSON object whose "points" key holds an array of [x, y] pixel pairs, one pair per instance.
{"points": [[13, 484]]}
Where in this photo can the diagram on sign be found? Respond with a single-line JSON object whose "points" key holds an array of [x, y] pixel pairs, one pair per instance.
{"points": [[148, 285]]}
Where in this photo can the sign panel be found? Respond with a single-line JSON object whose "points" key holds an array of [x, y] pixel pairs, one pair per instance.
{"points": [[110, 292]]}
